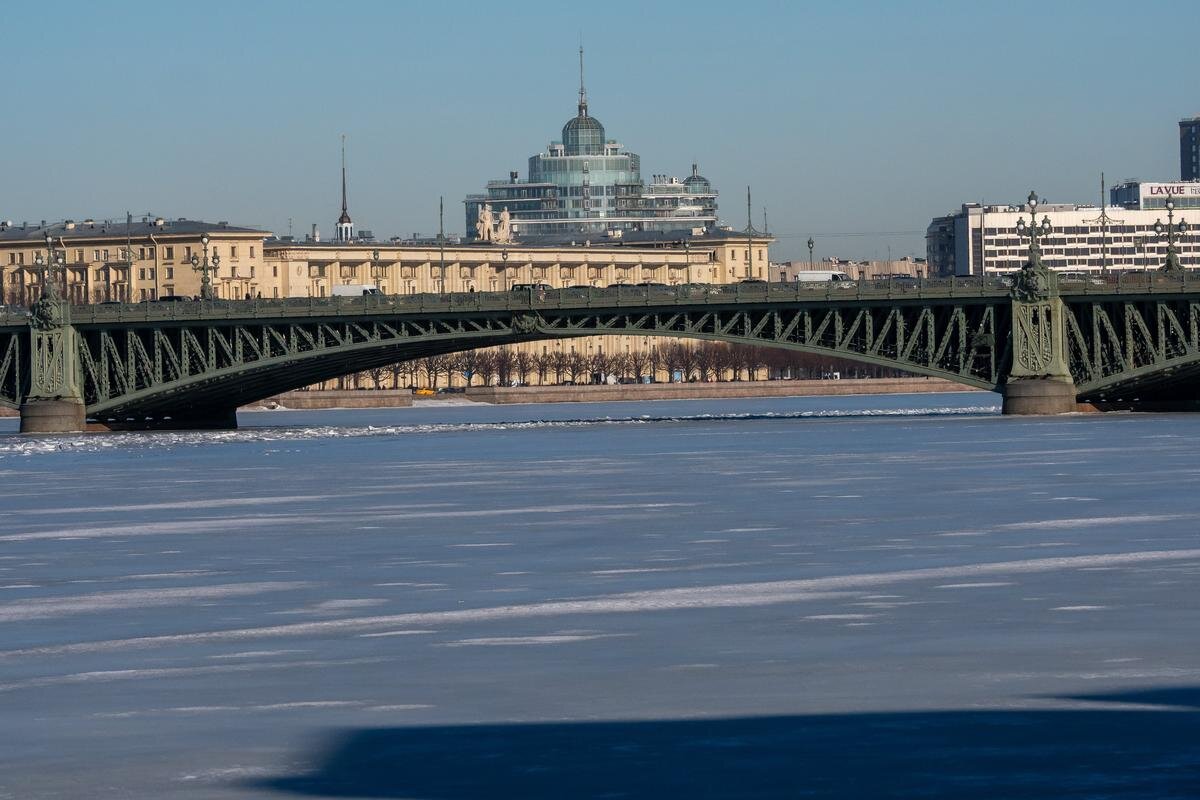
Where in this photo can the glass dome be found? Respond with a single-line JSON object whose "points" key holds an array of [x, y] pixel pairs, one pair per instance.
{"points": [[697, 183], [583, 135]]}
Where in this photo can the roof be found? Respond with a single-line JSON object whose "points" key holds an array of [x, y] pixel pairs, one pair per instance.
{"points": [[89, 229]]}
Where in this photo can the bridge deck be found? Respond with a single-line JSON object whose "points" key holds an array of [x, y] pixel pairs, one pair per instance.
{"points": [[1121, 285]]}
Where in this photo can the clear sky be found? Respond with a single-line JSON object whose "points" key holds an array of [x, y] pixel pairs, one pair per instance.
{"points": [[864, 118]]}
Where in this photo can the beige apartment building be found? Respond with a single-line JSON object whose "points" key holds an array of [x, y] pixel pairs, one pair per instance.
{"points": [[312, 269], [134, 260]]}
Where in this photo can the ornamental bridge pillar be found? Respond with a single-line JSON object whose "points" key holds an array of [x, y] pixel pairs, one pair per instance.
{"points": [[54, 402], [1039, 379]]}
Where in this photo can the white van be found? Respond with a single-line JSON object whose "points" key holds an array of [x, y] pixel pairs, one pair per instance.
{"points": [[354, 290], [821, 275]]}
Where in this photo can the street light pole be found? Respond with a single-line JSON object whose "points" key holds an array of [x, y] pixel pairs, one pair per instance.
{"points": [[441, 246], [204, 267], [810, 251], [1034, 229], [1172, 228], [48, 268]]}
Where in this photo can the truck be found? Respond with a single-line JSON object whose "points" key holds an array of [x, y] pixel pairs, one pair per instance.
{"points": [[811, 275], [355, 290]]}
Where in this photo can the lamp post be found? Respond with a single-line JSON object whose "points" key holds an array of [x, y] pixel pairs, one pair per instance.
{"points": [[1172, 228], [504, 267], [47, 268], [375, 267], [1034, 229], [203, 267], [810, 249]]}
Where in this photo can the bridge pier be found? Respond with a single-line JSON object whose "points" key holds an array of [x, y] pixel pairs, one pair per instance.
{"points": [[1039, 396], [52, 415]]}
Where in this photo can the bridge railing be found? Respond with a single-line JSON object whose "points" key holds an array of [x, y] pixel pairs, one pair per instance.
{"points": [[526, 298], [612, 296]]}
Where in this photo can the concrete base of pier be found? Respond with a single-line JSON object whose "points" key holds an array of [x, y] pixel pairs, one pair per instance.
{"points": [[1039, 396], [60, 415]]}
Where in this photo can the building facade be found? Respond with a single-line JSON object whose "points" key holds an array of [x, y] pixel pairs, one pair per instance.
{"points": [[984, 240], [1189, 149], [1153, 195], [131, 261], [312, 269], [589, 186]]}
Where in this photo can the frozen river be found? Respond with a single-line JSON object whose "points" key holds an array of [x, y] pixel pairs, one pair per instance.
{"points": [[809, 597]]}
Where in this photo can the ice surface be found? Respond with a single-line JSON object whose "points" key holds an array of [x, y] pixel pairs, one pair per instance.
{"points": [[297, 605]]}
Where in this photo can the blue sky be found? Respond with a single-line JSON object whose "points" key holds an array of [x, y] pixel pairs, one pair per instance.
{"points": [[862, 118]]}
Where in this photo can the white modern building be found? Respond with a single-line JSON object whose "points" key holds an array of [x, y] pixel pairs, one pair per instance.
{"points": [[983, 239], [1148, 195]]}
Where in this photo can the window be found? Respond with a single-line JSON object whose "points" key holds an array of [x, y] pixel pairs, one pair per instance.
{"points": [[252, 272], [12, 258], [106, 255], [170, 273], [233, 251], [142, 274], [275, 292], [275, 272], [170, 254], [187, 253], [78, 256], [252, 251], [150, 272]]}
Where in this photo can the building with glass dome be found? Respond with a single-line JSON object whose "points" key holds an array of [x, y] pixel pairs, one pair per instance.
{"points": [[588, 185]]}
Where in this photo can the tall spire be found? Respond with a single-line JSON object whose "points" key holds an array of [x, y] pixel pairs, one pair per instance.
{"points": [[345, 227], [344, 212], [582, 92]]}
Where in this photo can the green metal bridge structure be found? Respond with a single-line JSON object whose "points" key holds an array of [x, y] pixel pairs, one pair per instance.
{"points": [[1132, 342]]}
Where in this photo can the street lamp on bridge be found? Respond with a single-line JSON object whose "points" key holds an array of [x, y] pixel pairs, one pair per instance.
{"points": [[1171, 229], [203, 267], [48, 267], [810, 249], [1034, 229]]}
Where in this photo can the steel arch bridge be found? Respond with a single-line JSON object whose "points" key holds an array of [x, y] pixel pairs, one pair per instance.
{"points": [[1133, 343]]}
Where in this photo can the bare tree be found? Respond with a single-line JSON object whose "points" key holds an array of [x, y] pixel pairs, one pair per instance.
{"points": [[637, 363], [375, 375], [434, 367], [504, 362], [558, 360], [576, 365], [543, 363], [485, 366], [523, 364]]}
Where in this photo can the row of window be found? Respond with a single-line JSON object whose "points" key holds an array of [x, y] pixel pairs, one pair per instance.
{"points": [[143, 254]]}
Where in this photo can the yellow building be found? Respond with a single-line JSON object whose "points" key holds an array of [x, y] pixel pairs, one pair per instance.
{"points": [[312, 269], [134, 260]]}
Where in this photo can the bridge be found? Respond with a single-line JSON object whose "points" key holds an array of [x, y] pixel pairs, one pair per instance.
{"points": [[1132, 342]]}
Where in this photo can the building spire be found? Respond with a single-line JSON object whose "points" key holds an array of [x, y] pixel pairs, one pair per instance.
{"points": [[344, 212], [344, 227], [583, 112]]}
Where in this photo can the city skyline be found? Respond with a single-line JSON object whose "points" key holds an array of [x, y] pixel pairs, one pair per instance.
{"points": [[854, 125]]}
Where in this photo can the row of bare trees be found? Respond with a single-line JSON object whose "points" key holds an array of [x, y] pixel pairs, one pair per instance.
{"points": [[674, 361]]}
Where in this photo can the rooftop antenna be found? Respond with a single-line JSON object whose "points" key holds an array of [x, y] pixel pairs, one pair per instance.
{"points": [[582, 91]]}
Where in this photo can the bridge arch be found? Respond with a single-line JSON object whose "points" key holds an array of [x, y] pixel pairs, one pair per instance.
{"points": [[198, 375]]}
